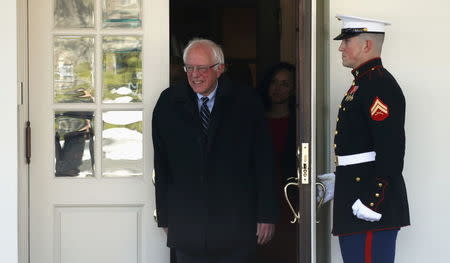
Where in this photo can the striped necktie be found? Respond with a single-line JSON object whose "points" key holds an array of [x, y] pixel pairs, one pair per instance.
{"points": [[205, 115]]}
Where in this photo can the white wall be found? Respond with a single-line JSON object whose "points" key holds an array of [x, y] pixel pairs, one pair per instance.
{"points": [[416, 52], [8, 134]]}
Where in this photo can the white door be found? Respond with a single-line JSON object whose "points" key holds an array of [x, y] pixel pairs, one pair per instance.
{"points": [[96, 68]]}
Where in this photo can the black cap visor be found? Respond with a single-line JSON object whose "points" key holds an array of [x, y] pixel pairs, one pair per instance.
{"points": [[345, 36], [351, 32]]}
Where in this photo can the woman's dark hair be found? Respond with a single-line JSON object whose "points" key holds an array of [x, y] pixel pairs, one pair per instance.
{"points": [[263, 88]]}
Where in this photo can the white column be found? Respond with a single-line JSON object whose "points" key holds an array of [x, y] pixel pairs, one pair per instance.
{"points": [[8, 133]]}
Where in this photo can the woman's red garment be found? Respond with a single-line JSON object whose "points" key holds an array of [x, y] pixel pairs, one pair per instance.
{"points": [[283, 247]]}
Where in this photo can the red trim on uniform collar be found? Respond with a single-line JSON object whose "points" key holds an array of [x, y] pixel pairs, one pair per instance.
{"points": [[366, 66]]}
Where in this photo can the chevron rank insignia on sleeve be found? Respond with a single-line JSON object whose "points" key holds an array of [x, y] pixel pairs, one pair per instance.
{"points": [[379, 111]]}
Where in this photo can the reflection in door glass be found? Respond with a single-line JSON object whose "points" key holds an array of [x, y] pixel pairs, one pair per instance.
{"points": [[122, 144], [122, 69], [74, 143], [123, 14], [73, 63], [74, 14]]}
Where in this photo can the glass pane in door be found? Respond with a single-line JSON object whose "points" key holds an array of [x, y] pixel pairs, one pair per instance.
{"points": [[74, 14], [74, 143], [73, 69], [122, 14], [122, 144], [122, 69]]}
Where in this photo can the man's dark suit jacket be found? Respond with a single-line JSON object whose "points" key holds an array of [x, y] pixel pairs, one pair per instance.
{"points": [[211, 192]]}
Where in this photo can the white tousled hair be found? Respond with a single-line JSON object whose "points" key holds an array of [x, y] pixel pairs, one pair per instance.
{"points": [[215, 49]]}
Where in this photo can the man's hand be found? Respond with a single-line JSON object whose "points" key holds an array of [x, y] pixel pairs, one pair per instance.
{"points": [[363, 212], [264, 232], [166, 229]]}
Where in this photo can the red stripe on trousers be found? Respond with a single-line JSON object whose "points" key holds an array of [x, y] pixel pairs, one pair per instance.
{"points": [[368, 248]]}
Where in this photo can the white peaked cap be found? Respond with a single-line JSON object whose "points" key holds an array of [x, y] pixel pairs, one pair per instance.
{"points": [[352, 26]]}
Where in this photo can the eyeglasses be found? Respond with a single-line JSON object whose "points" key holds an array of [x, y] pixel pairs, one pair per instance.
{"points": [[200, 69]]}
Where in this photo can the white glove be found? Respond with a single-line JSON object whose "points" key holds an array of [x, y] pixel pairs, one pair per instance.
{"points": [[328, 181], [363, 212]]}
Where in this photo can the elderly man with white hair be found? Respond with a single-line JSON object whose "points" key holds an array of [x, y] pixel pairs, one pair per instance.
{"points": [[215, 189]]}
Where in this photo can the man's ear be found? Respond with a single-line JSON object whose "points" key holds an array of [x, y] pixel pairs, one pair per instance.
{"points": [[220, 69], [368, 45]]}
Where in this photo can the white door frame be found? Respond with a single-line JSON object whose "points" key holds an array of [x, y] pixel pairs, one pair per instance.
{"points": [[23, 116], [9, 134]]}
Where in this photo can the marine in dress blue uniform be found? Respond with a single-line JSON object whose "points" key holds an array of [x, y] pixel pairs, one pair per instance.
{"points": [[370, 201]]}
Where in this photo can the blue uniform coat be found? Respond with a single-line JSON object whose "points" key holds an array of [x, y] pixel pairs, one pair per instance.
{"points": [[371, 118]]}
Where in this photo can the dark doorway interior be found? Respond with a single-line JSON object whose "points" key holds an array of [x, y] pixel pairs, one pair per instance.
{"points": [[247, 30], [253, 35]]}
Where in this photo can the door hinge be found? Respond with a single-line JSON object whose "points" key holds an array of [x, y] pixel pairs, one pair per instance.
{"points": [[20, 95], [28, 142]]}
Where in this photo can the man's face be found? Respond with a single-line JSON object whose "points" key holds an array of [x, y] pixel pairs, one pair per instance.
{"points": [[202, 82], [352, 52]]}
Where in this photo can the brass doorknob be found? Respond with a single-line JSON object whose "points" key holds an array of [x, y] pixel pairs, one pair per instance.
{"points": [[296, 214]]}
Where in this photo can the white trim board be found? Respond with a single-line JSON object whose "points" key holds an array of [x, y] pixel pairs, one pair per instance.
{"points": [[8, 133]]}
